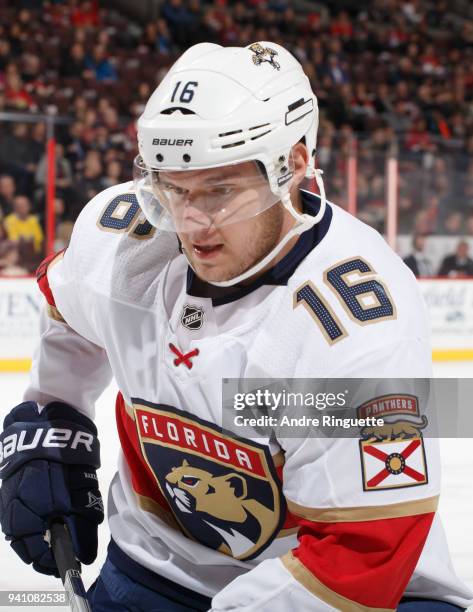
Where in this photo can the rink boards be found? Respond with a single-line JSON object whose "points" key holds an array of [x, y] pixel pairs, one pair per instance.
{"points": [[449, 302]]}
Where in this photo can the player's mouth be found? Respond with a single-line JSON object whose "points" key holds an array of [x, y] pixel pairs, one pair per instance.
{"points": [[207, 251]]}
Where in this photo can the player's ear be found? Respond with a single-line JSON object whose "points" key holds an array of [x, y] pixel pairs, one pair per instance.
{"points": [[300, 159]]}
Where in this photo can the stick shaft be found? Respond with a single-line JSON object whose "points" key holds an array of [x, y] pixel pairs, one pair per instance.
{"points": [[69, 568]]}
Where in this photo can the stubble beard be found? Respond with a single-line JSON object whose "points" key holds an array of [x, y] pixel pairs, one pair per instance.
{"points": [[258, 241]]}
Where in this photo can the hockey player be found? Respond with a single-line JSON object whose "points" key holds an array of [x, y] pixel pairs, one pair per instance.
{"points": [[232, 271]]}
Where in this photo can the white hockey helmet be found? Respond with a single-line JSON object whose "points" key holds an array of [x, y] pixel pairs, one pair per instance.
{"points": [[220, 106]]}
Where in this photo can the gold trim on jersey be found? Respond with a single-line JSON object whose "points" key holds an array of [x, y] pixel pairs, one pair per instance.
{"points": [[286, 533], [59, 257], [149, 505], [53, 313], [365, 513], [279, 459], [317, 588], [129, 410]]}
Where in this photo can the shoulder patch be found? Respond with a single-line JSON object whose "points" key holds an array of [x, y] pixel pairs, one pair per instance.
{"points": [[393, 455]]}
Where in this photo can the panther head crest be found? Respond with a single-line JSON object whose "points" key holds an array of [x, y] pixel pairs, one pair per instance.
{"points": [[264, 54], [222, 503]]}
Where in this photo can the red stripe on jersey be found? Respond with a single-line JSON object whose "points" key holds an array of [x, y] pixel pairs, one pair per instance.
{"points": [[42, 278], [368, 562], [142, 479]]}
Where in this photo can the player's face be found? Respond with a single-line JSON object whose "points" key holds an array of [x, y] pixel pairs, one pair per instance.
{"points": [[198, 200], [214, 212], [227, 218], [219, 254]]}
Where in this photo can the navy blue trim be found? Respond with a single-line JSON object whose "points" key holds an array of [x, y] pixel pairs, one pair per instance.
{"points": [[426, 605], [155, 582], [281, 272]]}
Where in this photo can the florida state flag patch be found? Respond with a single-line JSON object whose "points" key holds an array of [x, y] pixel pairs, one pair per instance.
{"points": [[393, 455], [392, 465]]}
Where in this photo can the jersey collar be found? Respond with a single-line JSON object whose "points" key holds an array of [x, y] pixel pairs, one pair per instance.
{"points": [[277, 275]]}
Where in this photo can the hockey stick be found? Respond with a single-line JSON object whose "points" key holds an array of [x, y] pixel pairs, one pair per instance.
{"points": [[69, 568]]}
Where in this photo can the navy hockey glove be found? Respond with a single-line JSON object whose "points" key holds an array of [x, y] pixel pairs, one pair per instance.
{"points": [[48, 464]]}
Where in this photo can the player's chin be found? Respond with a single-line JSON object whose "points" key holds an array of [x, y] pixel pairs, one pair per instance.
{"points": [[214, 272]]}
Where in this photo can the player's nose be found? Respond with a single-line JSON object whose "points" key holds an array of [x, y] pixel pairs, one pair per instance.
{"points": [[203, 234], [194, 220]]}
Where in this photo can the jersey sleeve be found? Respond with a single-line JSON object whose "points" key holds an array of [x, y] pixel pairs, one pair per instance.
{"points": [[360, 531], [70, 363]]}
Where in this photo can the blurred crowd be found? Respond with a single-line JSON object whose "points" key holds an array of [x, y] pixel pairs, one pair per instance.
{"points": [[457, 264], [393, 77]]}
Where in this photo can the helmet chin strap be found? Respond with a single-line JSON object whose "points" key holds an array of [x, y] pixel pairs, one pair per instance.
{"points": [[303, 223]]}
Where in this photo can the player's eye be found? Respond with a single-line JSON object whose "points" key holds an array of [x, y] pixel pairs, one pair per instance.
{"points": [[222, 190], [174, 188], [190, 481]]}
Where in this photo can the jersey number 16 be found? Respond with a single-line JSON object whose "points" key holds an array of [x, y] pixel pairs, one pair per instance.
{"points": [[365, 299]]}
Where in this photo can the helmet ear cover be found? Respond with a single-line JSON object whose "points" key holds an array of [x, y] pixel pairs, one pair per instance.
{"points": [[262, 167]]}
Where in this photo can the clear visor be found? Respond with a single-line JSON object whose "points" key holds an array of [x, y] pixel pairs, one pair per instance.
{"points": [[192, 200]]}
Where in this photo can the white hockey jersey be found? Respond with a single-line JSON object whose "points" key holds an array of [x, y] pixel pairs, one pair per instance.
{"points": [[264, 523]]}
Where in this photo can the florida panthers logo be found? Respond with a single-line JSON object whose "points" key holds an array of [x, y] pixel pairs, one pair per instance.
{"points": [[264, 54], [222, 503], [223, 491]]}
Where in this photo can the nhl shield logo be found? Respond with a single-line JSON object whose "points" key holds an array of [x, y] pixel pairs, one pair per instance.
{"points": [[223, 490], [192, 317]]}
